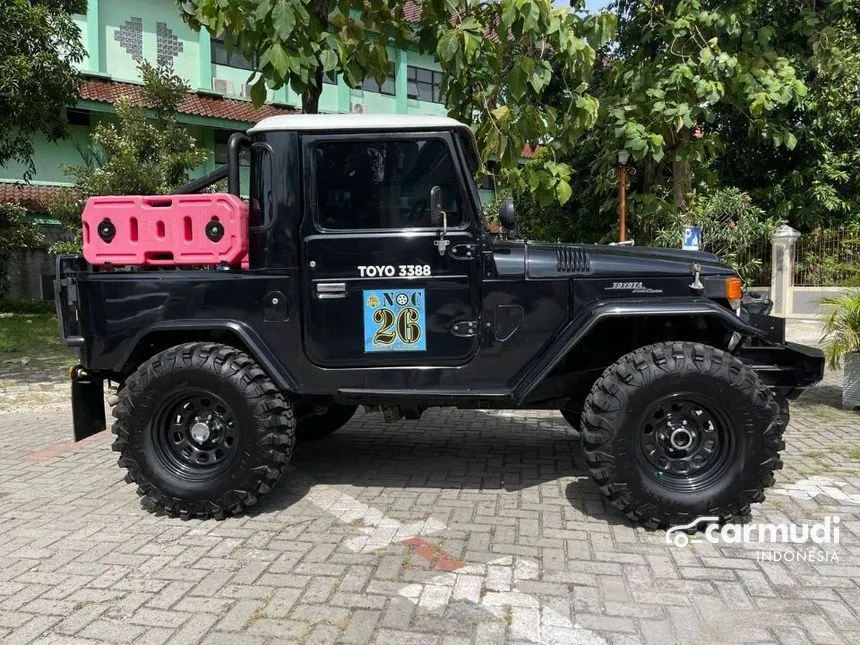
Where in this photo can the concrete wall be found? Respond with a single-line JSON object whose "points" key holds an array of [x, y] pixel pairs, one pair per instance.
{"points": [[29, 272], [806, 299]]}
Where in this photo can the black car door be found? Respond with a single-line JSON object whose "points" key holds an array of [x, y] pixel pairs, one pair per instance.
{"points": [[384, 283]]}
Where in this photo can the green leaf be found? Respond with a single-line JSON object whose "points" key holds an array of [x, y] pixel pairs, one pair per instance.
{"points": [[258, 92], [263, 9], [517, 82], [278, 59], [328, 60], [563, 192], [283, 18], [448, 46]]}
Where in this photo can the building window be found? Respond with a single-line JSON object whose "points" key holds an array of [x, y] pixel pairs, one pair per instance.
{"points": [[424, 84], [384, 184], [220, 56], [388, 87], [78, 117], [221, 138]]}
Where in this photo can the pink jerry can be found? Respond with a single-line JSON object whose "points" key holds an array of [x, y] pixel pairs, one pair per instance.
{"points": [[166, 230]]}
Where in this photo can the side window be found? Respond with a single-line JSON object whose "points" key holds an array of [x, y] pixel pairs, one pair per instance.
{"points": [[384, 184]]}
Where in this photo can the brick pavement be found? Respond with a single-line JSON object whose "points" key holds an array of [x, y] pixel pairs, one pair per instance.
{"points": [[462, 527]]}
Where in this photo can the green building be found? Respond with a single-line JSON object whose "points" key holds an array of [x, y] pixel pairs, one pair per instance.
{"points": [[120, 33]]}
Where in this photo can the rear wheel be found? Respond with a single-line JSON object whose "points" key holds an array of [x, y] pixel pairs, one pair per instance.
{"points": [[676, 431], [318, 426], [202, 431]]}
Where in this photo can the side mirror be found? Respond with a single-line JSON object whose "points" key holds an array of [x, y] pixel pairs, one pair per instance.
{"points": [[436, 211], [506, 213]]}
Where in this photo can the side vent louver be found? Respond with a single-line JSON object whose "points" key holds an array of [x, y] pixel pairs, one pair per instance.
{"points": [[570, 259]]}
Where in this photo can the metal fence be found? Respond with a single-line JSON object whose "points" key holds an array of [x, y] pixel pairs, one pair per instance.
{"points": [[828, 258], [754, 263]]}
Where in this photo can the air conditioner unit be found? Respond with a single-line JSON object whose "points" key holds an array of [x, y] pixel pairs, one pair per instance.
{"points": [[358, 108], [246, 90], [222, 85]]}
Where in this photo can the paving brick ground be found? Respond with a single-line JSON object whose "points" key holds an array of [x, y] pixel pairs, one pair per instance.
{"points": [[462, 527]]}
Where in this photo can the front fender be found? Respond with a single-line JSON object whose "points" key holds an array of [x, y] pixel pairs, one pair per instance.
{"points": [[581, 325]]}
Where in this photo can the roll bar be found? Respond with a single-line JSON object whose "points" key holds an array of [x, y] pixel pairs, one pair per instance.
{"points": [[231, 170]]}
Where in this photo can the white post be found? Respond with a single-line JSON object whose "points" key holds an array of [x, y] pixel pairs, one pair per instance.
{"points": [[782, 270]]}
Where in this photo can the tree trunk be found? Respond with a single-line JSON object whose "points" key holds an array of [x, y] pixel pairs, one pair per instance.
{"points": [[311, 97], [320, 9], [682, 183]]}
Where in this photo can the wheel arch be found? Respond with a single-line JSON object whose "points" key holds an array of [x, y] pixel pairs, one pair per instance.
{"points": [[163, 335], [698, 321]]}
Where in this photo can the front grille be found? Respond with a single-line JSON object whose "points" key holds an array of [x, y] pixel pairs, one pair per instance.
{"points": [[571, 259]]}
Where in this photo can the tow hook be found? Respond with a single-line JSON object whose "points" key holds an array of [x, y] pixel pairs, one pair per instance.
{"points": [[697, 282]]}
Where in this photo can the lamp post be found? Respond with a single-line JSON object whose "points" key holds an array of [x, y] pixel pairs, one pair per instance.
{"points": [[623, 158]]}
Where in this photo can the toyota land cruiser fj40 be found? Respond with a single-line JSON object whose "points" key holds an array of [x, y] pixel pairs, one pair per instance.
{"points": [[361, 272]]}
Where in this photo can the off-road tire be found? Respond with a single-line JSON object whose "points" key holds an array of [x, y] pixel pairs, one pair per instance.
{"points": [[319, 426], [263, 429], [613, 421]]}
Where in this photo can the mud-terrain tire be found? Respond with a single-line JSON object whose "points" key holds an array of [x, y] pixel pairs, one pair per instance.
{"points": [[319, 426], [727, 427], [202, 431], [573, 418]]}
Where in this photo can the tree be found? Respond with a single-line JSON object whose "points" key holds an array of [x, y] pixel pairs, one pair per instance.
{"points": [[813, 185], [684, 82], [146, 152], [39, 48], [678, 65], [499, 58]]}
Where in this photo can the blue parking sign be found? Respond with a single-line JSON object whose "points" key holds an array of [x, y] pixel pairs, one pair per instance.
{"points": [[692, 238]]}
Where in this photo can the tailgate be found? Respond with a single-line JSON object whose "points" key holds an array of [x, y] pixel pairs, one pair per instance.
{"points": [[66, 299]]}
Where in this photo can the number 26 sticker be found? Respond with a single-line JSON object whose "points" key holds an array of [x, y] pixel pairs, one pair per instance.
{"points": [[394, 320]]}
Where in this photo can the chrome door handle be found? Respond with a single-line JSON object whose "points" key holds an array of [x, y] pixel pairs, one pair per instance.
{"points": [[331, 289]]}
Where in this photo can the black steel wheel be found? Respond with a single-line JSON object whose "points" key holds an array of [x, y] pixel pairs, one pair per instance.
{"points": [[683, 444], [202, 431], [195, 434], [680, 430]]}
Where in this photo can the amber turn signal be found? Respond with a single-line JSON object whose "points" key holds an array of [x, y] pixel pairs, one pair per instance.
{"points": [[734, 292]]}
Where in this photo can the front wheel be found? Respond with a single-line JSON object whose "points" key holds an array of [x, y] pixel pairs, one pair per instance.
{"points": [[677, 431], [202, 431]]}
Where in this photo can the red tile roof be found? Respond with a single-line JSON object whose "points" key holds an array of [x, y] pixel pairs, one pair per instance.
{"points": [[411, 11], [216, 107], [33, 198], [530, 151]]}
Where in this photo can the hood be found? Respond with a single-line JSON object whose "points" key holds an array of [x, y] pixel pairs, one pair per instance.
{"points": [[596, 261]]}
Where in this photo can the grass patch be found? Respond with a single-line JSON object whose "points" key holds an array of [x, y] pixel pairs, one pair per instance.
{"points": [[35, 337], [8, 306], [854, 453]]}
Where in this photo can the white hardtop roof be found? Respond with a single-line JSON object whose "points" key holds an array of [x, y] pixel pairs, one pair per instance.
{"points": [[309, 122]]}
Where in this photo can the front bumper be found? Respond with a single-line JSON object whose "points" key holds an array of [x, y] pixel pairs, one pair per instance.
{"points": [[787, 367]]}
